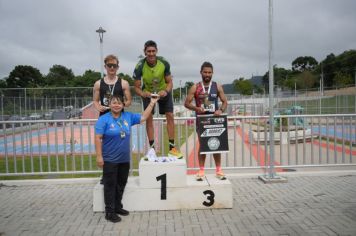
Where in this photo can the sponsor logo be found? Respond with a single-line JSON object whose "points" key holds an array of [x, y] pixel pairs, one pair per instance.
{"points": [[219, 120], [213, 143], [112, 126], [213, 126], [212, 132], [205, 122]]}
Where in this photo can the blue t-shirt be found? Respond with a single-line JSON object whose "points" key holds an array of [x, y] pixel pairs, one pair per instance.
{"points": [[115, 148]]}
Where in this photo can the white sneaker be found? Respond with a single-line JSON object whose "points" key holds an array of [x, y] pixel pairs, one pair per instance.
{"points": [[150, 155]]}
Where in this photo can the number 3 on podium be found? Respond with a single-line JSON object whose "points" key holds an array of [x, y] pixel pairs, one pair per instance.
{"points": [[210, 194]]}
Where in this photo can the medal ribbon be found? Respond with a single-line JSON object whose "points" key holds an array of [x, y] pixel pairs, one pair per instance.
{"points": [[204, 87], [122, 132], [112, 89]]}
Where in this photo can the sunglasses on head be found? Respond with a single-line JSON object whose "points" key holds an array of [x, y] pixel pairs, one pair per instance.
{"points": [[112, 65]]}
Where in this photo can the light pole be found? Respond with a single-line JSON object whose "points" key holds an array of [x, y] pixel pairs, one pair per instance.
{"points": [[295, 93], [272, 177], [271, 91], [101, 32], [2, 107], [355, 87], [180, 90], [25, 102]]}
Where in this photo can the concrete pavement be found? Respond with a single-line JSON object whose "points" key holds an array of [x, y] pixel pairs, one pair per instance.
{"points": [[321, 203]]}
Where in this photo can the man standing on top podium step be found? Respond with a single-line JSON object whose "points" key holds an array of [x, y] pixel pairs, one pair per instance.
{"points": [[152, 77]]}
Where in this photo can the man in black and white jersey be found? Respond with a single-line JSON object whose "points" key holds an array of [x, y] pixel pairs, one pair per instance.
{"points": [[110, 85]]}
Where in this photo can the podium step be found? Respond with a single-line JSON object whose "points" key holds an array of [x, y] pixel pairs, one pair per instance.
{"points": [[209, 193], [175, 173]]}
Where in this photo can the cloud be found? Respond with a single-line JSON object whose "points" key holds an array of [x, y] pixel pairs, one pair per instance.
{"points": [[232, 34]]}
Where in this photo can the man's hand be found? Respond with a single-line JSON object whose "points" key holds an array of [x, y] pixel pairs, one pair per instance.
{"points": [[200, 110], [146, 94], [162, 93], [218, 112], [154, 98], [103, 108]]}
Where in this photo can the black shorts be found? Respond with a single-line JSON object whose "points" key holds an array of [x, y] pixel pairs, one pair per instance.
{"points": [[165, 104]]}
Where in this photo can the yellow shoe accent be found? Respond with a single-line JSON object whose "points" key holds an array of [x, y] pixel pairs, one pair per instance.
{"points": [[174, 152], [200, 176], [220, 175]]}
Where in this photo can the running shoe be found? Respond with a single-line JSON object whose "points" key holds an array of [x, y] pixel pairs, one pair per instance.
{"points": [[220, 175], [175, 153], [200, 176]]}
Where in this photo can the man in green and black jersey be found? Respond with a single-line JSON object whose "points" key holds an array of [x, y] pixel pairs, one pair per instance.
{"points": [[153, 77]]}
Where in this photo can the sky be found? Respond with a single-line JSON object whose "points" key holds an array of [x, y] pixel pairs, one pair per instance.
{"points": [[231, 34]]}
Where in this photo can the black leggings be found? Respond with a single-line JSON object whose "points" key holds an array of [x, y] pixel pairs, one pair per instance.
{"points": [[114, 178]]}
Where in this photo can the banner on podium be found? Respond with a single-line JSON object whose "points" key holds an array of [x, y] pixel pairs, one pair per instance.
{"points": [[212, 133]]}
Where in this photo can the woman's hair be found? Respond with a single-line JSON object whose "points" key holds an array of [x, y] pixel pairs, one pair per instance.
{"points": [[116, 98]]}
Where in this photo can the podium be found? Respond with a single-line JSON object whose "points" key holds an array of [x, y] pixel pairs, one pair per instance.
{"points": [[165, 186]]}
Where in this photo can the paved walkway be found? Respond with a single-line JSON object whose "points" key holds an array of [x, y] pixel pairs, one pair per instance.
{"points": [[321, 204]]}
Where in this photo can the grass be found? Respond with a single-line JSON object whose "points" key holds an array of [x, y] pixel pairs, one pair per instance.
{"points": [[330, 105], [52, 163]]}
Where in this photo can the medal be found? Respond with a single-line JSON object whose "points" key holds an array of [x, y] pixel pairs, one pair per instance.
{"points": [[122, 132], [206, 102]]}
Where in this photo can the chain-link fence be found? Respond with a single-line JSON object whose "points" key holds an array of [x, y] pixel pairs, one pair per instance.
{"points": [[47, 103]]}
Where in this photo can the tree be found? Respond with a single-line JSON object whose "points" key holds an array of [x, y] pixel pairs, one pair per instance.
{"points": [[24, 77], [86, 80], [59, 76], [292, 83], [3, 83], [258, 89], [327, 66], [304, 63], [243, 86], [128, 78], [188, 85], [342, 79], [176, 93], [306, 79], [337, 67], [280, 76]]}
